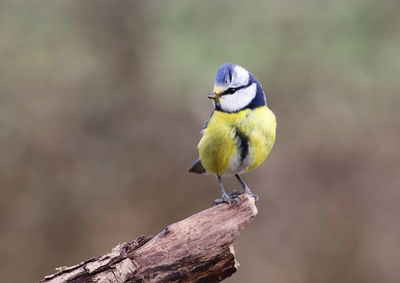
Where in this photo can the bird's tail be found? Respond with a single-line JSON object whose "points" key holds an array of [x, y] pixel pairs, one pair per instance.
{"points": [[197, 167]]}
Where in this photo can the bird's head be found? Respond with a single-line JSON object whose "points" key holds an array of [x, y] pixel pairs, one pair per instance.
{"points": [[235, 89]]}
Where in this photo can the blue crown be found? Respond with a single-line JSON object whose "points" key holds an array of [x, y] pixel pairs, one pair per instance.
{"points": [[225, 73]]}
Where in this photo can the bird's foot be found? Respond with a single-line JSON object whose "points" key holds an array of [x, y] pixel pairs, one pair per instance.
{"points": [[229, 199], [256, 197], [247, 191], [236, 193]]}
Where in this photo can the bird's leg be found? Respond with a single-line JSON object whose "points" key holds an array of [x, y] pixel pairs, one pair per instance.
{"points": [[246, 189], [224, 196]]}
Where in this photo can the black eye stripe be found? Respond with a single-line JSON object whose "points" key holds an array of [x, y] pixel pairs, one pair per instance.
{"points": [[229, 91], [232, 90]]}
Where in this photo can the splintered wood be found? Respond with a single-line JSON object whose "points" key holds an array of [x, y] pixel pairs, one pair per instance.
{"points": [[196, 249]]}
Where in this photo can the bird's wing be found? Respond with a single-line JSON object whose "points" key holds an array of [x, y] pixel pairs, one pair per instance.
{"points": [[208, 120], [197, 167]]}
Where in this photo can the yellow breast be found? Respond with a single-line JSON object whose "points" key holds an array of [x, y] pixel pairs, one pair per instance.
{"points": [[237, 142]]}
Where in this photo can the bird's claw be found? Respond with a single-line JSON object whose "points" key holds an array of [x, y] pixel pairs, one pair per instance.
{"points": [[235, 194], [227, 199], [256, 197]]}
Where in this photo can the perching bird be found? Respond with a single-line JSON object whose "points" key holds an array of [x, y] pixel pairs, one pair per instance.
{"points": [[240, 133]]}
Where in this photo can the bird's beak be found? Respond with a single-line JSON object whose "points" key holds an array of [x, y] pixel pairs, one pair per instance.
{"points": [[216, 93], [212, 95]]}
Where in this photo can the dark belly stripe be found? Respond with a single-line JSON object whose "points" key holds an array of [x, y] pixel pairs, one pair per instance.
{"points": [[243, 144]]}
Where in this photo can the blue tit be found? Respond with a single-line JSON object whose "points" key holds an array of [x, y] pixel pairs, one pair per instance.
{"points": [[241, 131]]}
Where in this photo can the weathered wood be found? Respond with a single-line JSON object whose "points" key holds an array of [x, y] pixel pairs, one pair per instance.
{"points": [[196, 249]]}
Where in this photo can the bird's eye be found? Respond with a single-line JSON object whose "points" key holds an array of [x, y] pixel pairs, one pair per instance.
{"points": [[230, 90]]}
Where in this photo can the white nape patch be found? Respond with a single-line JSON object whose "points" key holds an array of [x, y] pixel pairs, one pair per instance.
{"points": [[238, 100], [240, 77]]}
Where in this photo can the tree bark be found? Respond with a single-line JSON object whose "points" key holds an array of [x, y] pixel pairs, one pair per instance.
{"points": [[196, 249]]}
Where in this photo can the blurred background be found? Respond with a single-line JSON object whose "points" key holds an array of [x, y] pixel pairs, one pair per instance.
{"points": [[101, 107]]}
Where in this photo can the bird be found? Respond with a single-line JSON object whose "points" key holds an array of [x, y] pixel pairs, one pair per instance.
{"points": [[240, 133]]}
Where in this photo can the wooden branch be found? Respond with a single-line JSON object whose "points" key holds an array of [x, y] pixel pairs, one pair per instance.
{"points": [[196, 249]]}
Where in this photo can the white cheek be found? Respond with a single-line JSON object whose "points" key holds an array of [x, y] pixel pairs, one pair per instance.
{"points": [[239, 100]]}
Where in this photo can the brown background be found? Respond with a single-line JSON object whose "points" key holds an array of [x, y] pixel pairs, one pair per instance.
{"points": [[101, 104]]}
